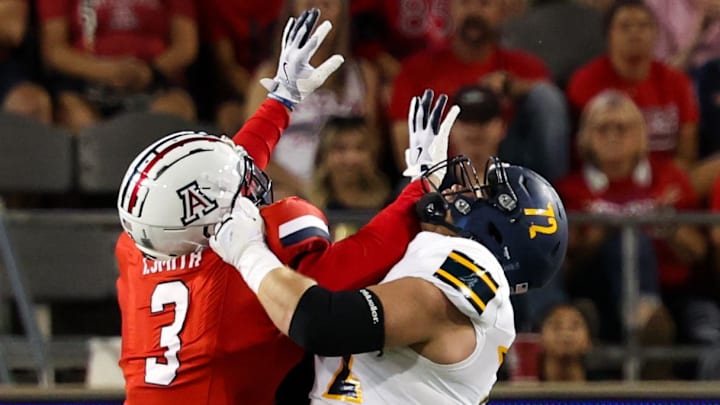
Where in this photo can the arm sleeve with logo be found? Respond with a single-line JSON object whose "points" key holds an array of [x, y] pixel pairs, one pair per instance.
{"points": [[365, 258]]}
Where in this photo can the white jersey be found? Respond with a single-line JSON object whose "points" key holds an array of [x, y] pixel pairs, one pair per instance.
{"points": [[473, 280]]}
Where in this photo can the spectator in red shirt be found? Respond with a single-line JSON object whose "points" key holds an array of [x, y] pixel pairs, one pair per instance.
{"points": [[663, 94], [387, 31], [18, 93], [118, 55], [538, 131], [620, 177], [237, 32]]}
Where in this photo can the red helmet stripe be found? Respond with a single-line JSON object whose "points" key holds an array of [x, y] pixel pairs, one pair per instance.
{"points": [[154, 161]]}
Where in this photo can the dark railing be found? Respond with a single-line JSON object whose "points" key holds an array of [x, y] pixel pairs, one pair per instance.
{"points": [[42, 351]]}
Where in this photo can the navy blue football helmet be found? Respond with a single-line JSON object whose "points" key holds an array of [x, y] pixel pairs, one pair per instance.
{"points": [[514, 212]]}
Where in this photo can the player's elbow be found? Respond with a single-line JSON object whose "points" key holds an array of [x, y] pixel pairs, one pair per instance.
{"points": [[338, 323]]}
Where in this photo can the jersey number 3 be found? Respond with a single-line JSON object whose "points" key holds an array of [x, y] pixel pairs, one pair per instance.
{"points": [[163, 372]]}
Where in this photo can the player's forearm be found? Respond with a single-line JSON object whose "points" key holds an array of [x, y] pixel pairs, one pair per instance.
{"points": [[279, 294], [262, 130], [366, 257]]}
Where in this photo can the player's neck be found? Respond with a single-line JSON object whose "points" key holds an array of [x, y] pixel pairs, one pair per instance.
{"points": [[563, 369]]}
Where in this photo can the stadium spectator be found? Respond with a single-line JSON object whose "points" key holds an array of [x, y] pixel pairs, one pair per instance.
{"points": [[237, 32], [18, 93], [538, 130], [689, 39], [479, 128], [387, 31], [663, 94], [688, 32], [112, 56], [351, 91], [620, 177], [565, 340], [347, 174]]}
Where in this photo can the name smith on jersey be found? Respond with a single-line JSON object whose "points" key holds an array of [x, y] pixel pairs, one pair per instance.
{"points": [[183, 262]]}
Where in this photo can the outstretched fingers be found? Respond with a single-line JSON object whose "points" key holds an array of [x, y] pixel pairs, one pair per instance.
{"points": [[436, 114]]}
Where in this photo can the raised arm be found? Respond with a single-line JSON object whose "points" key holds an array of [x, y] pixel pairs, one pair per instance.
{"points": [[295, 79], [364, 258]]}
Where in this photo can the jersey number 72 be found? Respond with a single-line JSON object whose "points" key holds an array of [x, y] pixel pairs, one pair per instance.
{"points": [[163, 372]]}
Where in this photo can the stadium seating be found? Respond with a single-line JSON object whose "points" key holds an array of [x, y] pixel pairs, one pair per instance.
{"points": [[34, 158], [106, 150]]}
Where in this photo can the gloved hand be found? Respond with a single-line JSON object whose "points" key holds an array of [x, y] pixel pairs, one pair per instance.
{"points": [[429, 135], [295, 77], [238, 239]]}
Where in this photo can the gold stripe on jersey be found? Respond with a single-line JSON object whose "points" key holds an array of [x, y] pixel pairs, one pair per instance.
{"points": [[465, 290], [467, 262], [474, 282]]}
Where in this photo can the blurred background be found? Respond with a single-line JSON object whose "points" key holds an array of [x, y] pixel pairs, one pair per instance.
{"points": [[617, 103]]}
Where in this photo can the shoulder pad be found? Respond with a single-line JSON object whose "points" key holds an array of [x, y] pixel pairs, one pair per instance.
{"points": [[293, 227]]}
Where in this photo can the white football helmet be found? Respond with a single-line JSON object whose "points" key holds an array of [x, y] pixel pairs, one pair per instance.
{"points": [[179, 187]]}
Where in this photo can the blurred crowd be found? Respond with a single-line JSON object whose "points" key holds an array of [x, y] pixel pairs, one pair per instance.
{"points": [[617, 103]]}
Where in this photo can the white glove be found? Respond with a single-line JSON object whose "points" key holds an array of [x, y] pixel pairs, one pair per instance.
{"points": [[429, 135], [239, 241], [295, 77]]}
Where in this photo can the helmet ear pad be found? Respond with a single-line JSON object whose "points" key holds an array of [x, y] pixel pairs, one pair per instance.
{"points": [[432, 208]]}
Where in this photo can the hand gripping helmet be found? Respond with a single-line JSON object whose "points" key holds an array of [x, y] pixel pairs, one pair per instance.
{"points": [[179, 187], [514, 212]]}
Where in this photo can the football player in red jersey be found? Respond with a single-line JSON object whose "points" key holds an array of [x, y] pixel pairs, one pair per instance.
{"points": [[177, 298], [193, 333]]}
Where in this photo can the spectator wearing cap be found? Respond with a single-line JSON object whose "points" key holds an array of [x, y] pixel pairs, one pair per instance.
{"points": [[479, 128], [534, 108]]}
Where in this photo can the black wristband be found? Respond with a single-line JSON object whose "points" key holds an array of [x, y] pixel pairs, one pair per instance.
{"points": [[338, 323]]}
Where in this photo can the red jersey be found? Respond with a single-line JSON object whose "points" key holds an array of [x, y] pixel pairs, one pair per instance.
{"points": [[588, 190], [665, 97], [139, 28], [194, 333], [442, 71]]}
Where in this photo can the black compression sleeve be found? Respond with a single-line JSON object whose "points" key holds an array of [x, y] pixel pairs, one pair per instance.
{"points": [[338, 323]]}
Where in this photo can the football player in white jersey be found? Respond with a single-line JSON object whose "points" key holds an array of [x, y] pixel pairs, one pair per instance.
{"points": [[436, 329]]}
